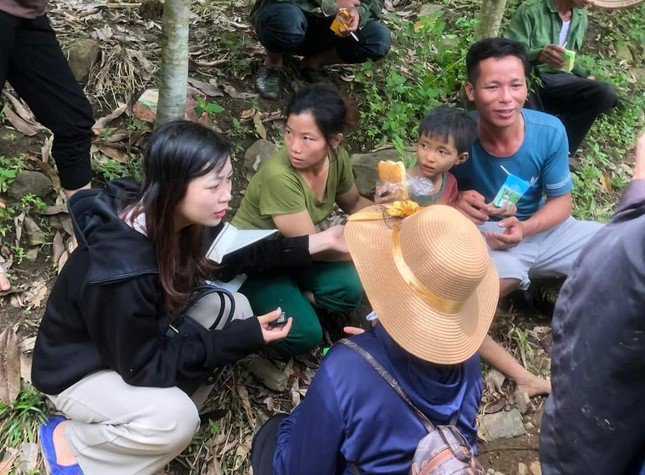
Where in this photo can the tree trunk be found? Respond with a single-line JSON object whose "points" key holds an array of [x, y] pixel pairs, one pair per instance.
{"points": [[174, 63], [489, 18]]}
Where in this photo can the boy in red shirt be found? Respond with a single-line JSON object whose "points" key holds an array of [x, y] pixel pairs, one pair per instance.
{"points": [[445, 135]]}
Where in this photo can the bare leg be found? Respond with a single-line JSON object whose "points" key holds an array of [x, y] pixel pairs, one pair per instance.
{"points": [[69, 193], [500, 359], [64, 455], [506, 286]]}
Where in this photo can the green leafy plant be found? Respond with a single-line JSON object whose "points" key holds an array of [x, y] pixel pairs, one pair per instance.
{"points": [[210, 108], [19, 420], [9, 168], [423, 70]]}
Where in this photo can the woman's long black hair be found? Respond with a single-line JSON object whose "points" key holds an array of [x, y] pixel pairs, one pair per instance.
{"points": [[177, 153]]}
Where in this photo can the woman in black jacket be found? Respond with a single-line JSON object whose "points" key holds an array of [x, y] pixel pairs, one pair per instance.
{"points": [[102, 355]]}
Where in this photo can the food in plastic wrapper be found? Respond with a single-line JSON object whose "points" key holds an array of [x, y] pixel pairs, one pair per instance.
{"points": [[419, 186], [342, 21], [393, 182]]}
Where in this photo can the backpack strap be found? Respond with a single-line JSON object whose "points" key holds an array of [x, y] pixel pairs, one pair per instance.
{"points": [[390, 380]]}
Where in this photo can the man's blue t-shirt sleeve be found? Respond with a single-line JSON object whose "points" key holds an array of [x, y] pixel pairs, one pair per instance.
{"points": [[556, 178]]}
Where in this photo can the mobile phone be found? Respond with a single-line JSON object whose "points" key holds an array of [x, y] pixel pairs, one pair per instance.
{"points": [[280, 321]]}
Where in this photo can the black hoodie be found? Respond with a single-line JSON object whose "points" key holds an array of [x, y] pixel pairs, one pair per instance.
{"points": [[105, 310]]}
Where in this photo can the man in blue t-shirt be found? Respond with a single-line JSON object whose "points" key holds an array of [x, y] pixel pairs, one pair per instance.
{"points": [[542, 239]]}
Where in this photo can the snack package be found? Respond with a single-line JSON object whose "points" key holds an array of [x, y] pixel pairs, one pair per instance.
{"points": [[393, 182], [341, 22], [568, 60], [511, 191], [419, 186]]}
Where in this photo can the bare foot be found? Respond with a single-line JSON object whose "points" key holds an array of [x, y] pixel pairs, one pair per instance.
{"points": [[534, 386], [64, 454]]}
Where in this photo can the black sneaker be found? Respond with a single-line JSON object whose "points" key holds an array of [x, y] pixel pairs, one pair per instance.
{"points": [[268, 82]]}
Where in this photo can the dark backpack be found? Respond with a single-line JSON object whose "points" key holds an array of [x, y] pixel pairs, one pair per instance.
{"points": [[443, 451]]}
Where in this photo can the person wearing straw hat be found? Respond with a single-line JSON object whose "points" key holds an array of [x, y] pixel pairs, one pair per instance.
{"points": [[552, 31], [434, 288]]}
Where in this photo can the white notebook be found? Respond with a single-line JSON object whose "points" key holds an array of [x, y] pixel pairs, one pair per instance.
{"points": [[230, 239]]}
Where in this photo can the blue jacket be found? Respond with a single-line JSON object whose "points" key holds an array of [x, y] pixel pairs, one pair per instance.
{"points": [[351, 414]]}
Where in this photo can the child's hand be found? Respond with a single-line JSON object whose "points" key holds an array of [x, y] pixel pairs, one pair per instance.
{"points": [[383, 194], [270, 333]]}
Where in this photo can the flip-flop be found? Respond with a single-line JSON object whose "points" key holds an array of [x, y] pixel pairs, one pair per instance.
{"points": [[46, 433]]}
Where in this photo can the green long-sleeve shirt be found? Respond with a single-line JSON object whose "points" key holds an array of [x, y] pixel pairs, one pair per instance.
{"points": [[367, 10], [537, 24]]}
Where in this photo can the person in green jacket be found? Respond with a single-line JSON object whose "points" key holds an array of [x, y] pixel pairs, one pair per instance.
{"points": [[548, 29], [301, 27], [295, 191]]}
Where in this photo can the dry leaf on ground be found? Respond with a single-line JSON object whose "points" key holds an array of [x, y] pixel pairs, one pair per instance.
{"points": [[7, 463], [100, 124], [9, 366], [259, 126], [21, 125], [27, 460]]}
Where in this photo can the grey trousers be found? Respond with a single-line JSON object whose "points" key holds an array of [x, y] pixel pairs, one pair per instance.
{"points": [[120, 429]]}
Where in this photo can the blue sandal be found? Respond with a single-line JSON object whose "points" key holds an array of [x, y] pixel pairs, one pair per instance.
{"points": [[46, 433]]}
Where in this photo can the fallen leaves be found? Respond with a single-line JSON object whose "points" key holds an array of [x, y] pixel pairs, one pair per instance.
{"points": [[9, 366], [20, 116]]}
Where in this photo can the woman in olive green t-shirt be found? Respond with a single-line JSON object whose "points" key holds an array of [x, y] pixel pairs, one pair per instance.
{"points": [[294, 191]]}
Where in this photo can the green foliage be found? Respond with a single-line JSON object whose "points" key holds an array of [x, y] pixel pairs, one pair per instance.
{"points": [[9, 168], [210, 108], [425, 68], [32, 202], [19, 421]]}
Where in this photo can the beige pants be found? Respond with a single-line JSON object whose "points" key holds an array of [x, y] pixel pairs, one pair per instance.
{"points": [[118, 429]]}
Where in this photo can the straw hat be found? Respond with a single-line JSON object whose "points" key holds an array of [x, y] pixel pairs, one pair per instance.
{"points": [[428, 277], [615, 3]]}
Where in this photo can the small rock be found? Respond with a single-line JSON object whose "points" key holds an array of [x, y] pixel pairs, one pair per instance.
{"points": [[256, 154], [429, 9], [639, 75], [623, 52], [502, 425], [82, 56], [535, 468], [522, 401], [34, 235], [529, 425], [32, 254], [28, 182], [490, 471], [522, 469], [151, 10], [269, 375], [365, 168]]}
